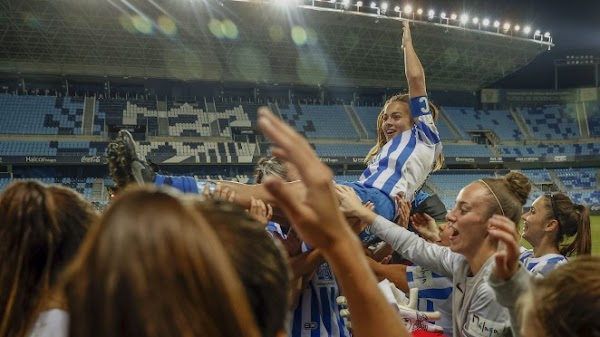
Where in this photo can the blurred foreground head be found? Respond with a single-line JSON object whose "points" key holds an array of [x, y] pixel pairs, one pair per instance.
{"points": [[153, 266]]}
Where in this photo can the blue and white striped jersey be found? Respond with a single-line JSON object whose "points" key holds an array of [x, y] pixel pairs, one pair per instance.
{"points": [[435, 294], [404, 163], [541, 265], [317, 313]]}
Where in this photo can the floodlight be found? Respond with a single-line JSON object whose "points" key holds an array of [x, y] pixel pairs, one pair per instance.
{"points": [[384, 6], [332, 1], [359, 4], [547, 34], [408, 9], [486, 22], [506, 26], [453, 16], [373, 5], [475, 21], [464, 18], [443, 15], [397, 9], [496, 23], [431, 13], [420, 11], [517, 28], [527, 30], [537, 32]]}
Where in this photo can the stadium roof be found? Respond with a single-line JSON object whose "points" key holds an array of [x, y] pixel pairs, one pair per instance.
{"points": [[245, 42]]}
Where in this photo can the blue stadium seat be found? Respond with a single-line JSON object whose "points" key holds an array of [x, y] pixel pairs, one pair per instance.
{"points": [[552, 122], [43, 115], [501, 122], [319, 121]]}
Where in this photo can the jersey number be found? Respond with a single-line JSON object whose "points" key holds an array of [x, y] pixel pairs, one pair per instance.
{"points": [[424, 105]]}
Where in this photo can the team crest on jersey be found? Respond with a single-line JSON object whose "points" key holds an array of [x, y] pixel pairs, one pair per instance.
{"points": [[324, 273]]}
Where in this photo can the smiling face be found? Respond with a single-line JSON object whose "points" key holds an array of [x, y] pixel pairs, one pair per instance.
{"points": [[468, 220], [536, 221], [396, 119]]}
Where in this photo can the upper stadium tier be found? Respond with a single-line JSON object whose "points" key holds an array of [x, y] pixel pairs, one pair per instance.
{"points": [[252, 42]]}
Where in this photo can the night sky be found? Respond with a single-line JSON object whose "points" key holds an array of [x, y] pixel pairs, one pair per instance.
{"points": [[575, 28], [573, 24]]}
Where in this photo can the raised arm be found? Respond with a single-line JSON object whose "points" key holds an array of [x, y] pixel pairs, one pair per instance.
{"points": [[415, 75]]}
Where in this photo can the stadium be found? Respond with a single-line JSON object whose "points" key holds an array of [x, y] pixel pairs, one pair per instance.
{"points": [[186, 78], [111, 111]]}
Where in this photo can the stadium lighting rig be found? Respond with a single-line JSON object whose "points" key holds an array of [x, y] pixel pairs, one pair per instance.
{"points": [[406, 10]]}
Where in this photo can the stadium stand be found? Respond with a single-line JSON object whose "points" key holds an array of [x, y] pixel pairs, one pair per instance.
{"points": [[342, 150], [46, 115], [368, 117], [577, 179], [541, 150], [552, 122], [43, 115], [476, 150], [593, 113], [319, 121], [52, 148], [500, 122]]}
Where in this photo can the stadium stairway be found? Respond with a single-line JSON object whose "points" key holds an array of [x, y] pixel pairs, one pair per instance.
{"points": [[275, 108], [556, 180], [358, 125], [162, 119], [89, 109], [455, 131], [521, 123], [98, 189], [584, 127]]}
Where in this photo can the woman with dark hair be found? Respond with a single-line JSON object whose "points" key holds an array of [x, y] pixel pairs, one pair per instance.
{"points": [[154, 267], [556, 228], [41, 229], [552, 218]]}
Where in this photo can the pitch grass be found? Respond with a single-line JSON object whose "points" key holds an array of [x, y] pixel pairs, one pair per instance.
{"points": [[595, 226]]}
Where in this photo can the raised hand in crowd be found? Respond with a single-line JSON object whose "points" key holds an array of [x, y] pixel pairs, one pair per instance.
{"points": [[507, 258], [426, 226]]}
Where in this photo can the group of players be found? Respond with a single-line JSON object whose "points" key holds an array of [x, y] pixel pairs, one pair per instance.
{"points": [[160, 262]]}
